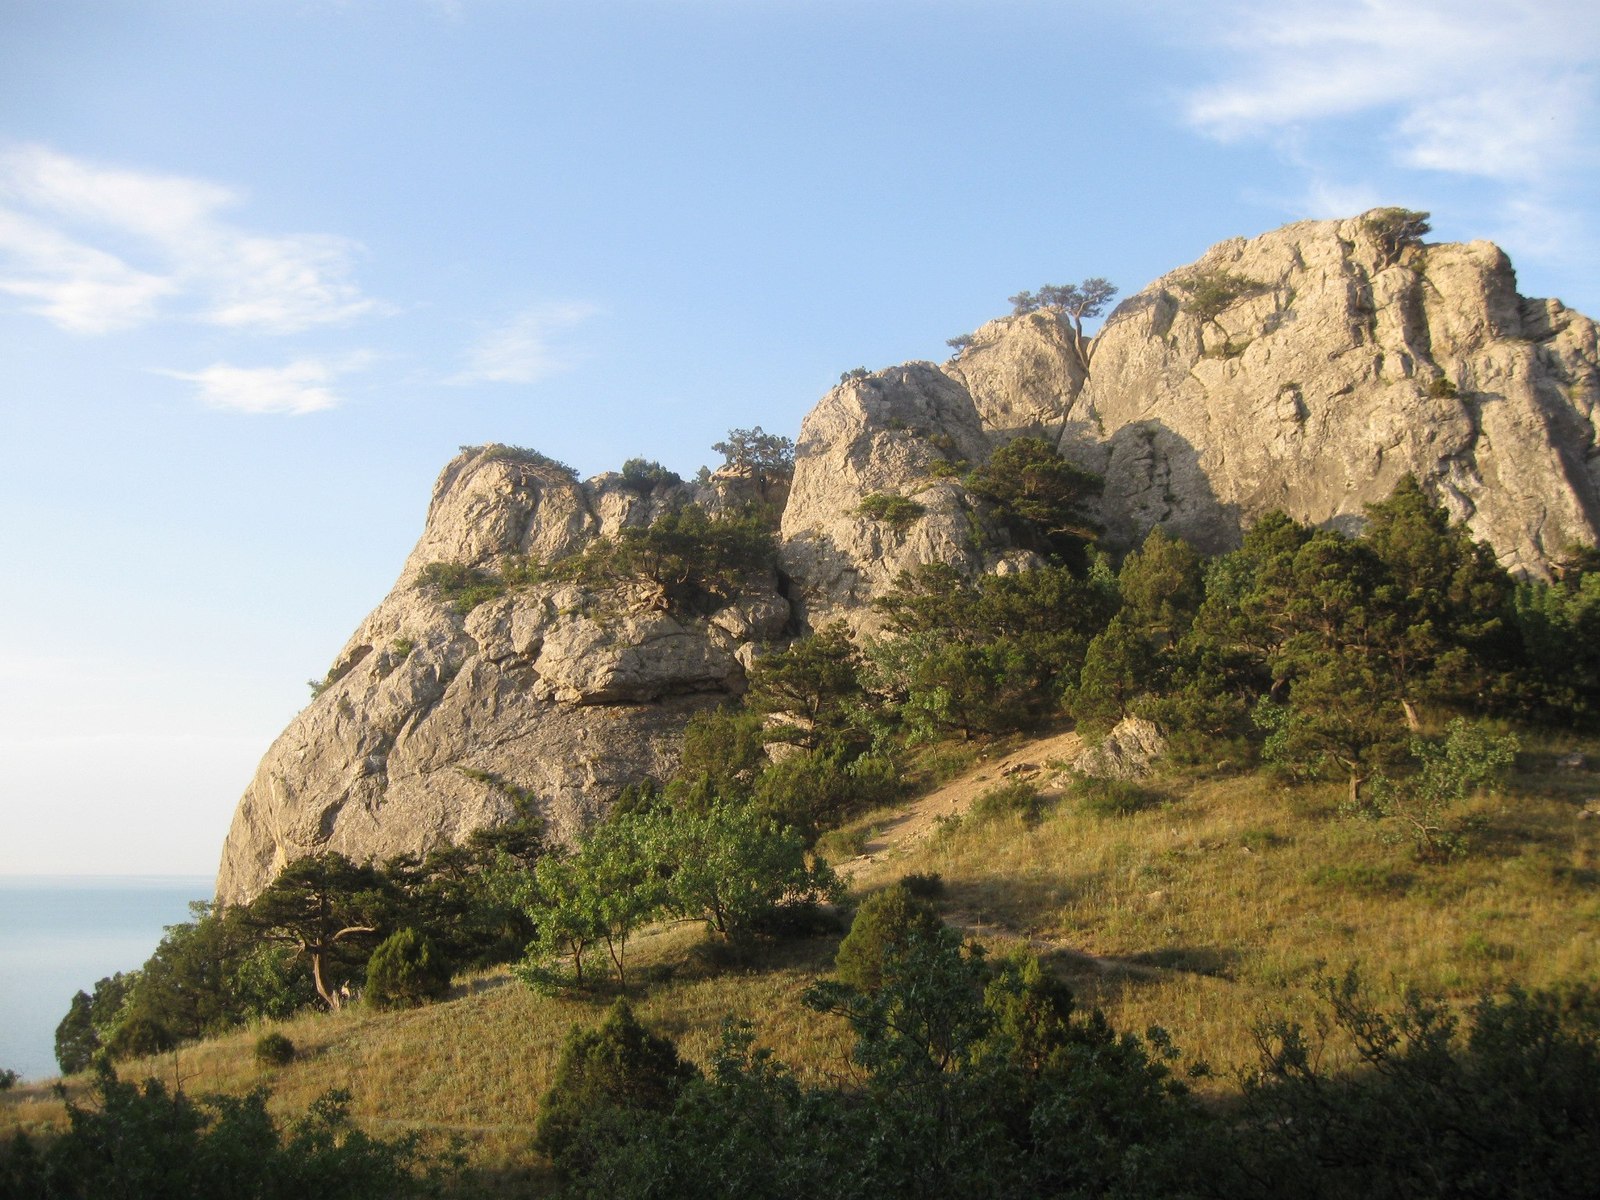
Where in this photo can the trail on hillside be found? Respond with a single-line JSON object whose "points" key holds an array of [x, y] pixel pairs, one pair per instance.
{"points": [[1045, 763]]}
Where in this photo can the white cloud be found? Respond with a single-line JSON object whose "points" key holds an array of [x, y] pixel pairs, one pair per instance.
{"points": [[526, 348], [1501, 89], [300, 387], [96, 248]]}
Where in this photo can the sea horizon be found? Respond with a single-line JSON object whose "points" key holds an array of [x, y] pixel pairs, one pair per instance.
{"points": [[60, 933]]}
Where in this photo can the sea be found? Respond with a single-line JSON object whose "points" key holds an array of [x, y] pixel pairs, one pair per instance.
{"points": [[60, 933]]}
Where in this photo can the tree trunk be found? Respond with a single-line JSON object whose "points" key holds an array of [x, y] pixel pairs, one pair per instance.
{"points": [[328, 998], [1412, 721]]}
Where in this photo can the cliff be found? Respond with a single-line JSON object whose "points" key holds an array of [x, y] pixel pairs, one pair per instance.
{"points": [[1308, 369]]}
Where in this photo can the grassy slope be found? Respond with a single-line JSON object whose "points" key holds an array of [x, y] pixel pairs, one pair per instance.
{"points": [[1206, 912]]}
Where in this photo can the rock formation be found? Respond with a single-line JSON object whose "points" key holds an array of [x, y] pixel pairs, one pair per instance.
{"points": [[1307, 369]]}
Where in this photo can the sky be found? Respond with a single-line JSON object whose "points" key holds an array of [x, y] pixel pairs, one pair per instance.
{"points": [[266, 264]]}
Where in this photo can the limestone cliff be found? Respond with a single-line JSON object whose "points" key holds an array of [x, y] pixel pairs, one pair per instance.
{"points": [[1307, 369]]}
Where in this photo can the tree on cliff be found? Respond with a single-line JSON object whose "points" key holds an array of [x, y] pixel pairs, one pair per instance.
{"points": [[1077, 302], [323, 904], [763, 457]]}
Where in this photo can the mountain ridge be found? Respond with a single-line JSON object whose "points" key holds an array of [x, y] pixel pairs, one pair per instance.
{"points": [[1324, 365]]}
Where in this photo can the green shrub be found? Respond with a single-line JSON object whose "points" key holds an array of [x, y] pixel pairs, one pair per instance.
{"points": [[885, 922], [604, 1073], [406, 971], [1015, 799], [644, 475], [1441, 388], [498, 452], [924, 886], [896, 511], [274, 1050], [1112, 797], [8, 1079], [460, 586], [138, 1036]]}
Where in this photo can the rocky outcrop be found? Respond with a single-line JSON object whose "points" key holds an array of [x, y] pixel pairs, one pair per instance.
{"points": [[432, 721], [1308, 369]]}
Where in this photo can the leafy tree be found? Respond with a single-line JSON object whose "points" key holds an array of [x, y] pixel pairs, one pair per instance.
{"points": [[731, 866], [1079, 302], [1505, 1103], [321, 905], [1039, 495], [1211, 292], [959, 344], [817, 789], [407, 971], [91, 1021], [724, 751], [618, 1066], [604, 891], [694, 561], [988, 655]]}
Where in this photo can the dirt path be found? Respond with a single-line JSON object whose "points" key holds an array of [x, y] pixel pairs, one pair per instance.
{"points": [[920, 818], [1039, 762]]}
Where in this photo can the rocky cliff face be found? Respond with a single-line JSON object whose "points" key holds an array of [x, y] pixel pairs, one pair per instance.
{"points": [[1307, 369]]}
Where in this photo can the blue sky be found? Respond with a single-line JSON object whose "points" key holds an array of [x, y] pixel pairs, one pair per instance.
{"points": [[265, 264]]}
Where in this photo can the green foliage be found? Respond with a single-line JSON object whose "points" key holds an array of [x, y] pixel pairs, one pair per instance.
{"points": [[959, 344], [462, 587], [274, 1050], [142, 1141], [90, 1022], [813, 790], [618, 1066], [1018, 798], [1211, 292], [1469, 758], [1558, 626], [1039, 496], [545, 465], [406, 971], [763, 458], [899, 512], [731, 867], [600, 894], [852, 374], [1506, 1103], [885, 920], [989, 655], [694, 562], [8, 1079], [1441, 388], [724, 751], [329, 909], [811, 691], [644, 475], [1395, 230]]}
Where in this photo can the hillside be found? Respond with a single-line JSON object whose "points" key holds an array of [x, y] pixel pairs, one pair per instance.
{"points": [[1208, 906]]}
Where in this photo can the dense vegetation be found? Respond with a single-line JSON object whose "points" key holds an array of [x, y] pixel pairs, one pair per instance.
{"points": [[1400, 664]]}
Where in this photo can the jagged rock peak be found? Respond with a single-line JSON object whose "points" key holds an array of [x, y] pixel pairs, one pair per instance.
{"points": [[1307, 369]]}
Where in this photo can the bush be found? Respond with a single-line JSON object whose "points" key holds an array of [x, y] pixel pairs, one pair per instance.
{"points": [[463, 588], [407, 971], [614, 1070], [1113, 797], [896, 511], [885, 922], [1015, 799], [8, 1079], [928, 886], [644, 475], [274, 1050]]}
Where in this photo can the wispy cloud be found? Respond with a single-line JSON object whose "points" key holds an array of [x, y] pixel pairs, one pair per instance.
{"points": [[1494, 88], [95, 248], [526, 348], [303, 386]]}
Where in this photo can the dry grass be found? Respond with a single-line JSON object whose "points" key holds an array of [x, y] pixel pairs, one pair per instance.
{"points": [[1207, 911]]}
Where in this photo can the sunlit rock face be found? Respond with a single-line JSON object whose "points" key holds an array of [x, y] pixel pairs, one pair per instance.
{"points": [[1327, 366]]}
